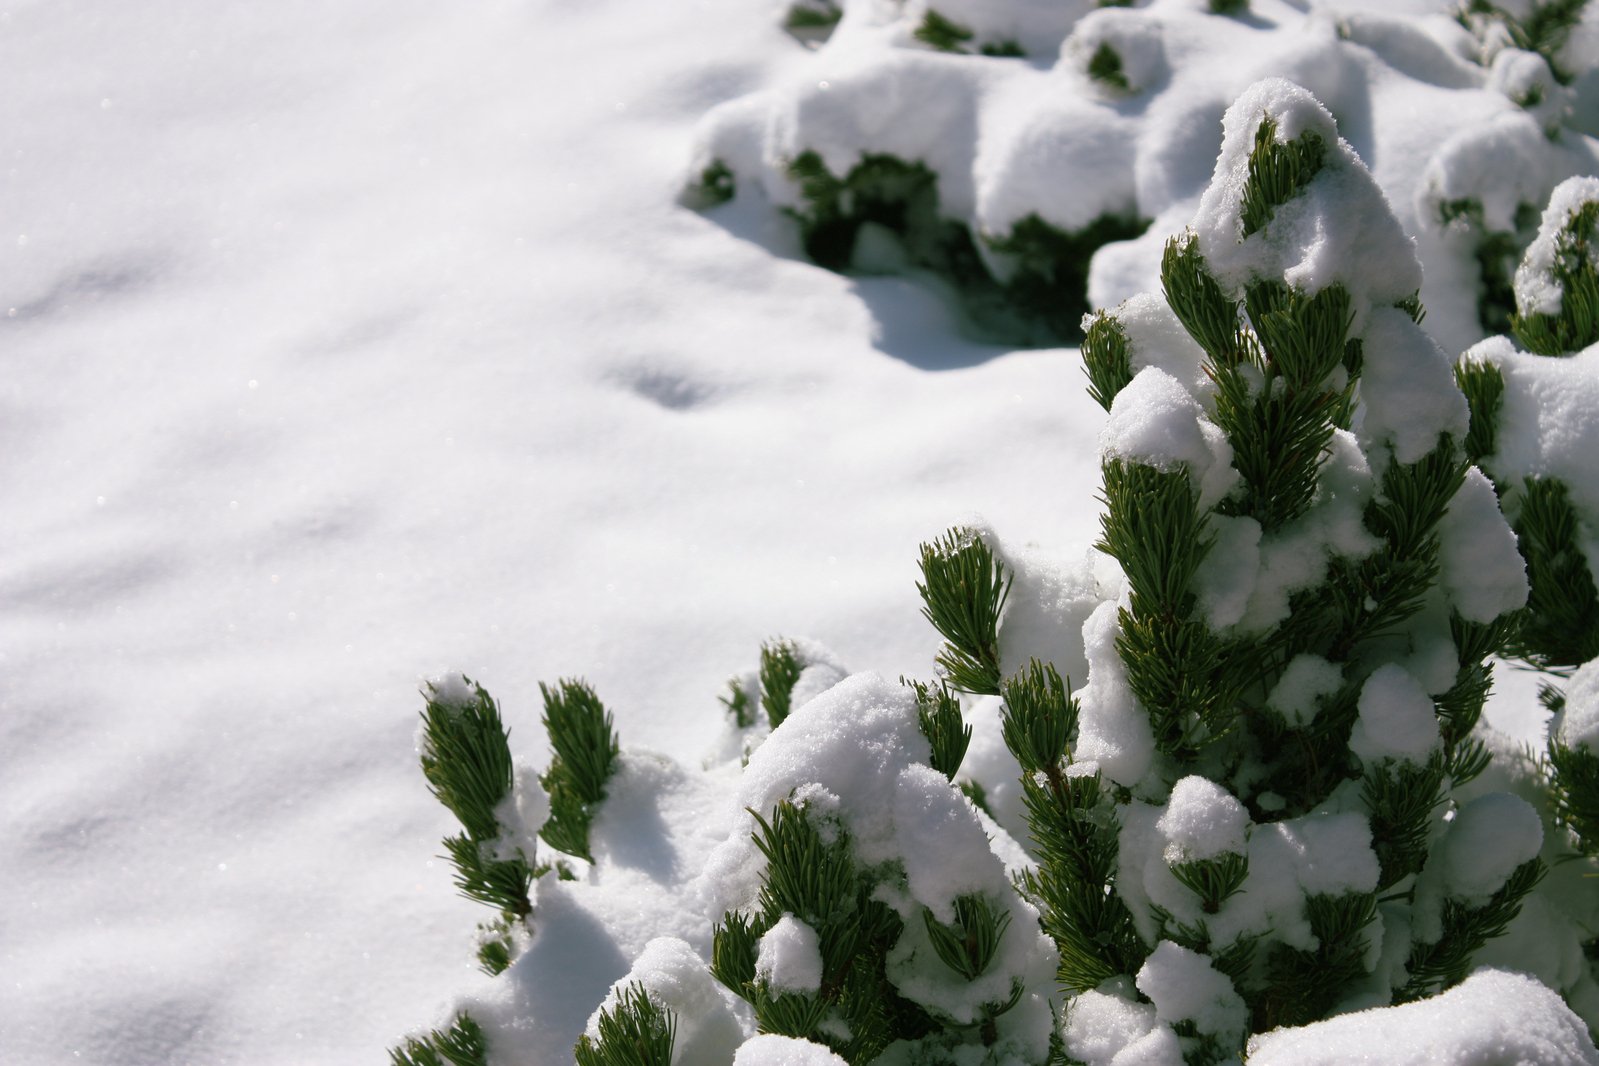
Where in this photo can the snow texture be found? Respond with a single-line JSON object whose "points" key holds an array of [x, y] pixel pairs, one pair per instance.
{"points": [[1577, 725], [709, 1022], [1480, 568], [1113, 730], [771, 1050], [1491, 1019], [1155, 421], [1488, 838], [1307, 681], [1397, 718], [1185, 987], [790, 957], [1202, 821]]}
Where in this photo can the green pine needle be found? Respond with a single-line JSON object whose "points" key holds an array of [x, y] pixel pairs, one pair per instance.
{"points": [[1107, 357], [735, 943], [634, 1032], [1208, 315], [1484, 387], [466, 757], [781, 666], [1402, 798], [1214, 881], [1560, 627], [968, 946], [939, 32], [1039, 718], [582, 734], [503, 884], [963, 591], [1105, 66], [462, 1044], [1577, 325], [938, 713], [1277, 172], [738, 704], [1445, 962]]}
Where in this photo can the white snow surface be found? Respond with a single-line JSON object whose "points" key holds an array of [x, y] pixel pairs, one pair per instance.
{"points": [[1578, 723], [790, 957], [1202, 821], [1493, 1018], [1538, 291], [1397, 720]]}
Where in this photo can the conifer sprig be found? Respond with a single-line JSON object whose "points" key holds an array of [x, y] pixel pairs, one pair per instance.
{"points": [[1442, 964], [1560, 627], [585, 750], [1483, 385], [1576, 326], [462, 1044], [636, 1031], [938, 713], [1573, 782], [968, 945], [1277, 171], [1206, 312], [963, 591], [781, 666], [1107, 357], [1039, 718]]}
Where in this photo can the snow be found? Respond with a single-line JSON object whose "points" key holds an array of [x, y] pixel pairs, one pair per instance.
{"points": [[1397, 718], [1491, 1018], [1481, 569], [790, 957], [1548, 424], [1202, 821], [354, 343], [1578, 724], [1156, 422], [1487, 839], [1307, 680], [1185, 988]]}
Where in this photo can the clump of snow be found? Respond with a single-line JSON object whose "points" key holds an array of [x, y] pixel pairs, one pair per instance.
{"points": [[1226, 578], [1202, 821], [1156, 336], [710, 1020], [1487, 839], [1526, 80], [769, 1049], [1490, 1019], [1050, 599], [790, 956], [1330, 854], [1397, 719], [1113, 729], [522, 813], [1155, 421], [1185, 987], [1548, 420], [1408, 388], [1307, 681], [1100, 1024], [1577, 725], [1480, 568], [1498, 164]]}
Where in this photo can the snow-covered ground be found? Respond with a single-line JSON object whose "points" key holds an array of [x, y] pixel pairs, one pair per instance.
{"points": [[348, 343], [345, 343]]}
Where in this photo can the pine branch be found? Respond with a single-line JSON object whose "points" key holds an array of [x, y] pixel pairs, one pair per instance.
{"points": [[781, 667], [1484, 389], [1302, 986], [969, 944], [1443, 964], [939, 32], [1107, 357], [1573, 773], [466, 757], [586, 747], [1402, 798], [462, 1044], [1560, 627], [1208, 315], [963, 590], [1277, 172], [634, 1032], [1039, 718], [1576, 326], [938, 713]]}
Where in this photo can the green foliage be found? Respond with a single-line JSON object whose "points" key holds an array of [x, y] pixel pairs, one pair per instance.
{"points": [[585, 750], [1577, 325], [1496, 252], [938, 32], [1214, 881], [1444, 963], [809, 16], [1048, 284], [1039, 718], [462, 1044], [781, 667], [1573, 783], [1277, 172], [634, 1032], [968, 946], [496, 947], [1544, 28], [963, 590], [938, 713], [1484, 389], [1105, 66], [466, 758], [1402, 798], [1302, 986], [1107, 357], [738, 704], [1560, 627], [1208, 315], [1229, 7], [716, 186]]}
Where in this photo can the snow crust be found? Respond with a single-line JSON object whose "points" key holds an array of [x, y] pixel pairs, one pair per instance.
{"points": [[1488, 838], [768, 1049], [1491, 1018], [790, 957], [1202, 821], [1185, 987], [1481, 570], [1578, 723], [1397, 718]]}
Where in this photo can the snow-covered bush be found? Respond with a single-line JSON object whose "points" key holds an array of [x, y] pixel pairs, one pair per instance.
{"points": [[1043, 185], [1267, 824]]}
